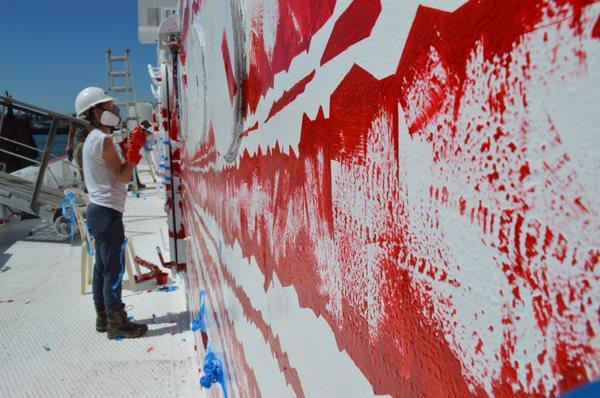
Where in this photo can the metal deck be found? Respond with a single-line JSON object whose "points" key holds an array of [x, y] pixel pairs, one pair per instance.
{"points": [[48, 344]]}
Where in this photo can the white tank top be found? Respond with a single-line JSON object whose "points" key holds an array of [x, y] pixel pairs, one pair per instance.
{"points": [[103, 187]]}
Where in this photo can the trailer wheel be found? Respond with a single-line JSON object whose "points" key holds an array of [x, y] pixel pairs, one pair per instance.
{"points": [[62, 227]]}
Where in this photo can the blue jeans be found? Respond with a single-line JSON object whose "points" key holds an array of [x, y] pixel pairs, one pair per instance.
{"points": [[106, 226]]}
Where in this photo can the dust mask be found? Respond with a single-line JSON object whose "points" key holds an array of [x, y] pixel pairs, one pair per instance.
{"points": [[109, 119]]}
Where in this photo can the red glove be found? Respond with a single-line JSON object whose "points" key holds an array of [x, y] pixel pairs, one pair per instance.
{"points": [[133, 155], [137, 137]]}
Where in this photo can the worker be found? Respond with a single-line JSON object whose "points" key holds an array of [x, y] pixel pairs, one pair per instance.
{"points": [[107, 171], [77, 133]]}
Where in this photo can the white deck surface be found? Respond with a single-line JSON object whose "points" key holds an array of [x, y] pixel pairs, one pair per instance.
{"points": [[48, 344]]}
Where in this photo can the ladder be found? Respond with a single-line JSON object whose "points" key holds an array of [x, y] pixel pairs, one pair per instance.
{"points": [[120, 87], [120, 84]]}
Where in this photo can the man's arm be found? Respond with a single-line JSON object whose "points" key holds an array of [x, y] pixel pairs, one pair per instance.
{"points": [[122, 171], [70, 137]]}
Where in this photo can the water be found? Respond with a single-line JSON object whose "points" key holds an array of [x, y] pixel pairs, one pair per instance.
{"points": [[59, 147]]}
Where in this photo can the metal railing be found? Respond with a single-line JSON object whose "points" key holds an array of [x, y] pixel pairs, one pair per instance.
{"points": [[8, 103]]}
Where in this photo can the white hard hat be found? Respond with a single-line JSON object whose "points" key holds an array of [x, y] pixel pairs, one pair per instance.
{"points": [[88, 98]]}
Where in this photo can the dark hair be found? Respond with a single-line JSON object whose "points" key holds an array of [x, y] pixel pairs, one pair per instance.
{"points": [[89, 116]]}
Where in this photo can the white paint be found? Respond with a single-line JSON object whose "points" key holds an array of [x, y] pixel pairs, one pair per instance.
{"points": [[307, 339]]}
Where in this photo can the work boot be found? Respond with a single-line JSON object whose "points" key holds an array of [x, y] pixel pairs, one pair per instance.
{"points": [[120, 326], [101, 323]]}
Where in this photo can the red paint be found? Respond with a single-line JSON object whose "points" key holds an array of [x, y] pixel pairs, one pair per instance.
{"points": [[206, 154], [298, 22], [297, 175], [303, 185], [196, 6], [228, 69], [190, 10], [185, 20], [524, 171], [355, 24], [224, 333], [479, 346], [596, 29], [249, 130], [578, 202], [254, 316], [592, 260], [289, 96]]}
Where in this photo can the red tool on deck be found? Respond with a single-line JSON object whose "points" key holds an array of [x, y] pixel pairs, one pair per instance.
{"points": [[169, 264], [161, 277]]}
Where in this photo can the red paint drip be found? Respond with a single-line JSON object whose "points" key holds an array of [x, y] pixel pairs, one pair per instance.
{"points": [[355, 24]]}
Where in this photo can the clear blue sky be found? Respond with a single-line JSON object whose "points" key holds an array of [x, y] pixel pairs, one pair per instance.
{"points": [[51, 49]]}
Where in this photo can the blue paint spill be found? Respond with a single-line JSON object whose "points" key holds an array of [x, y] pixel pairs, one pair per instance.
{"points": [[30, 233], [168, 289], [154, 319], [119, 338], [183, 340], [47, 348], [130, 318], [213, 372]]}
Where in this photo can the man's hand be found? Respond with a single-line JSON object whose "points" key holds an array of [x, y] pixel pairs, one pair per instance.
{"points": [[70, 154]]}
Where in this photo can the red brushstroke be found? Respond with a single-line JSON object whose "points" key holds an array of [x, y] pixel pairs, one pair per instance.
{"points": [[206, 154], [228, 69], [289, 96], [596, 30], [249, 130], [355, 24], [196, 6], [298, 22], [189, 11]]}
